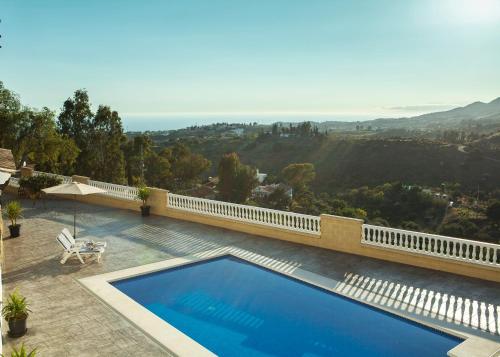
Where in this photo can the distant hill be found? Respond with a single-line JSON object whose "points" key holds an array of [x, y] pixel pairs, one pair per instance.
{"points": [[344, 164], [485, 114], [353, 158], [446, 119], [347, 163]]}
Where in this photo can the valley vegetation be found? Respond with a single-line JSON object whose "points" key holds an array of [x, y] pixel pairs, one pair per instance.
{"points": [[376, 171]]}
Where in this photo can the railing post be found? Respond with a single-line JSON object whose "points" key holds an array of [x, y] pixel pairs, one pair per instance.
{"points": [[26, 171], [158, 201], [80, 179], [341, 233]]}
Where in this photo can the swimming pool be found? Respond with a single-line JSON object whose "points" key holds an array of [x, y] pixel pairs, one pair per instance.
{"points": [[234, 307]]}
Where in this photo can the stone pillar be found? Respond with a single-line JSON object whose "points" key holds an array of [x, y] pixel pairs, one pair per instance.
{"points": [[341, 233], [26, 171], [158, 201], [80, 179]]}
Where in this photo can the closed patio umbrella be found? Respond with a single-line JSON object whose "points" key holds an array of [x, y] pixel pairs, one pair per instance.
{"points": [[75, 189]]}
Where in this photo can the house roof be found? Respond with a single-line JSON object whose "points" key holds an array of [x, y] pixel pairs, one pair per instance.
{"points": [[7, 160]]}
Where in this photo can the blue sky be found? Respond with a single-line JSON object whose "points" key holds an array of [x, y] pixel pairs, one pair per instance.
{"points": [[260, 56]]}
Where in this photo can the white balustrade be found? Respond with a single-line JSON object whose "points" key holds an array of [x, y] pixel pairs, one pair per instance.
{"points": [[433, 245], [474, 252], [116, 191], [281, 219], [64, 179]]}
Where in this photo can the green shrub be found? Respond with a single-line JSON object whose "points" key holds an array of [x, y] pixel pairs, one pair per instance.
{"points": [[452, 230], [21, 352], [379, 221], [410, 226], [16, 307], [143, 194], [34, 185], [13, 211], [493, 211]]}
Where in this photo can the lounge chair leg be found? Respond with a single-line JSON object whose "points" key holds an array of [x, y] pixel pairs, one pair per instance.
{"points": [[80, 258], [65, 257]]}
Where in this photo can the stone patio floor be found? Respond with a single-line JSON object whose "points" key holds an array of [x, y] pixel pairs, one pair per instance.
{"points": [[67, 320]]}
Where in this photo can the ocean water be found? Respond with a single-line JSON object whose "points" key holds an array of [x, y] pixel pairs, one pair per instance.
{"points": [[235, 308], [144, 123]]}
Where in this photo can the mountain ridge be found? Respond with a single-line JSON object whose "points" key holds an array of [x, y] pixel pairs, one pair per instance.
{"points": [[455, 118]]}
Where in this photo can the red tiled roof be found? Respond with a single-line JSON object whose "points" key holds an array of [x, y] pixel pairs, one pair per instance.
{"points": [[7, 159]]}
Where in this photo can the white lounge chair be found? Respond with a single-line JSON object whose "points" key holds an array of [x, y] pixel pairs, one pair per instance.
{"points": [[80, 241], [79, 249], [71, 239]]}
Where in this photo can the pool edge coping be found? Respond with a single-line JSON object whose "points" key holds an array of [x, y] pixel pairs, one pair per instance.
{"points": [[178, 343]]}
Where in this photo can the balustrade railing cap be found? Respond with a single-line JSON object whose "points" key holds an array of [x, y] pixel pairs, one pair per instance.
{"points": [[342, 217]]}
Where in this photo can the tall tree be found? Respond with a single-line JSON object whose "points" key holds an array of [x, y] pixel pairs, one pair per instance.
{"points": [[138, 151], [32, 135], [39, 142], [75, 121], [236, 181], [158, 171], [14, 120], [298, 176], [186, 166], [106, 138]]}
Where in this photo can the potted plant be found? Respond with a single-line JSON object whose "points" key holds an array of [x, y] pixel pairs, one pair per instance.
{"points": [[143, 194], [13, 211], [21, 352], [16, 312]]}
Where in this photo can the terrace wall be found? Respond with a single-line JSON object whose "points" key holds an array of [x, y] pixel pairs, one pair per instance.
{"points": [[329, 232], [343, 234]]}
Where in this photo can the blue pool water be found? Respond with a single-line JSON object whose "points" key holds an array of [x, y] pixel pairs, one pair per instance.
{"points": [[235, 308]]}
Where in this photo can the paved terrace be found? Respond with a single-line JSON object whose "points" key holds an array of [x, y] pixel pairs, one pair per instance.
{"points": [[67, 320]]}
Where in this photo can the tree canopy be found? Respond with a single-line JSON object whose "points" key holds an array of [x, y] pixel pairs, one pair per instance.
{"points": [[236, 180], [299, 176], [32, 135]]}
